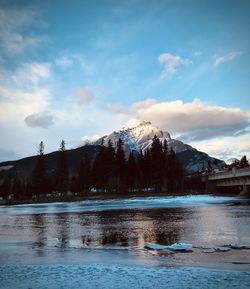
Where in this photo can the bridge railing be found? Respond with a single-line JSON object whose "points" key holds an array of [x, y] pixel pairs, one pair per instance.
{"points": [[234, 173]]}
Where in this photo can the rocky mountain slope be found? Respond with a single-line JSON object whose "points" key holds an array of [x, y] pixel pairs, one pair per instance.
{"points": [[140, 138]]}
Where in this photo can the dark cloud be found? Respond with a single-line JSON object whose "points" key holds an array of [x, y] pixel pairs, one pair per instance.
{"points": [[43, 120]]}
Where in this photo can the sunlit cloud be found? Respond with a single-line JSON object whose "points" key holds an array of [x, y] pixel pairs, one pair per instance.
{"points": [[191, 120]]}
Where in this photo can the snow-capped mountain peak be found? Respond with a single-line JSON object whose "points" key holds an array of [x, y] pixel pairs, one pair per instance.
{"points": [[139, 138]]}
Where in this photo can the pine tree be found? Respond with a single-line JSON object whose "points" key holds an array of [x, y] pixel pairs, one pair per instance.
{"points": [[166, 167], [156, 163], [98, 179], [18, 188], [74, 188], [175, 177], [38, 174], [109, 167], [244, 162], [62, 170], [132, 172], [120, 163], [84, 175], [5, 188]]}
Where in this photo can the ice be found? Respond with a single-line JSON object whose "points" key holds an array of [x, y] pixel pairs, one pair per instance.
{"points": [[174, 247]]}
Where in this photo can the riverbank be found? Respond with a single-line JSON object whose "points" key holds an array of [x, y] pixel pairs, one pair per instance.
{"points": [[103, 196]]}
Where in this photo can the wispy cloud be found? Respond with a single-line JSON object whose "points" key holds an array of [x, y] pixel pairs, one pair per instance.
{"points": [[171, 63], [85, 95], [226, 58], [197, 53], [64, 62], [13, 24]]}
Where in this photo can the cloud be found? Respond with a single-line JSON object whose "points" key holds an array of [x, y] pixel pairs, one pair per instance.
{"points": [[245, 146], [31, 73], [197, 53], [22, 92], [225, 58], [85, 95], [171, 63], [192, 121], [89, 139], [13, 24], [122, 112], [64, 62], [43, 120]]}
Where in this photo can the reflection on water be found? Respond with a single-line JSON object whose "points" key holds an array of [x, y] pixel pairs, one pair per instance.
{"points": [[206, 225]]}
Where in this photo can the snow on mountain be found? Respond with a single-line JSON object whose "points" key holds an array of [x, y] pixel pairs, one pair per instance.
{"points": [[231, 161], [140, 138]]}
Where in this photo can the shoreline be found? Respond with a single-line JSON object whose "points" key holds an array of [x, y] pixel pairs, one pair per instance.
{"points": [[104, 196]]}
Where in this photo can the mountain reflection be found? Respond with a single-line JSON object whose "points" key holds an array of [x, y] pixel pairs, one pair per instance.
{"points": [[130, 229]]}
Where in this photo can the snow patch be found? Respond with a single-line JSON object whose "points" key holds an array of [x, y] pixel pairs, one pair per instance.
{"points": [[6, 168]]}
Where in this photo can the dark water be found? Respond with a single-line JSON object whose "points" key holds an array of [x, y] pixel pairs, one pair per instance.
{"points": [[110, 235]]}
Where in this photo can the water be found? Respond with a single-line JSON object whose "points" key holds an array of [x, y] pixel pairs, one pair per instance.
{"points": [[100, 243]]}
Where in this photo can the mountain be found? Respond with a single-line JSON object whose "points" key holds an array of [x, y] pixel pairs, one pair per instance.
{"points": [[140, 138], [74, 156], [231, 161], [135, 139]]}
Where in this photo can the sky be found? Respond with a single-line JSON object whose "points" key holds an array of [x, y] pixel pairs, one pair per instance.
{"points": [[78, 70]]}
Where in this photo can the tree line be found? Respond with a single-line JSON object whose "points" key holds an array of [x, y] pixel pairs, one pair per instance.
{"points": [[156, 169]]}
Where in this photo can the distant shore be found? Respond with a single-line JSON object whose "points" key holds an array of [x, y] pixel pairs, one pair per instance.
{"points": [[102, 196]]}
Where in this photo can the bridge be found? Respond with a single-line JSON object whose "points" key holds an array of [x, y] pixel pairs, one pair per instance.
{"points": [[237, 177]]}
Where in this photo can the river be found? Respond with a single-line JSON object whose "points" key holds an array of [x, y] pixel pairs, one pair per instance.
{"points": [[101, 243]]}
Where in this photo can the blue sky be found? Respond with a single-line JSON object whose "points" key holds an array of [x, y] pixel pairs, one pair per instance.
{"points": [[81, 69]]}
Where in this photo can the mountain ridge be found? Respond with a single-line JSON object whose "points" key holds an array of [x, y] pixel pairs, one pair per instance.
{"points": [[139, 138], [136, 139]]}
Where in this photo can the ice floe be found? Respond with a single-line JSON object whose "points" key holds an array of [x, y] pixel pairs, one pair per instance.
{"points": [[174, 247]]}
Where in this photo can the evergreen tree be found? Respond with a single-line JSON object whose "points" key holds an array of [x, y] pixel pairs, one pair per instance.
{"points": [[74, 188], [84, 175], [144, 170], [244, 162], [18, 188], [5, 188], [132, 172], [120, 163], [62, 170], [109, 167], [175, 177], [156, 163], [38, 174], [98, 179]]}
